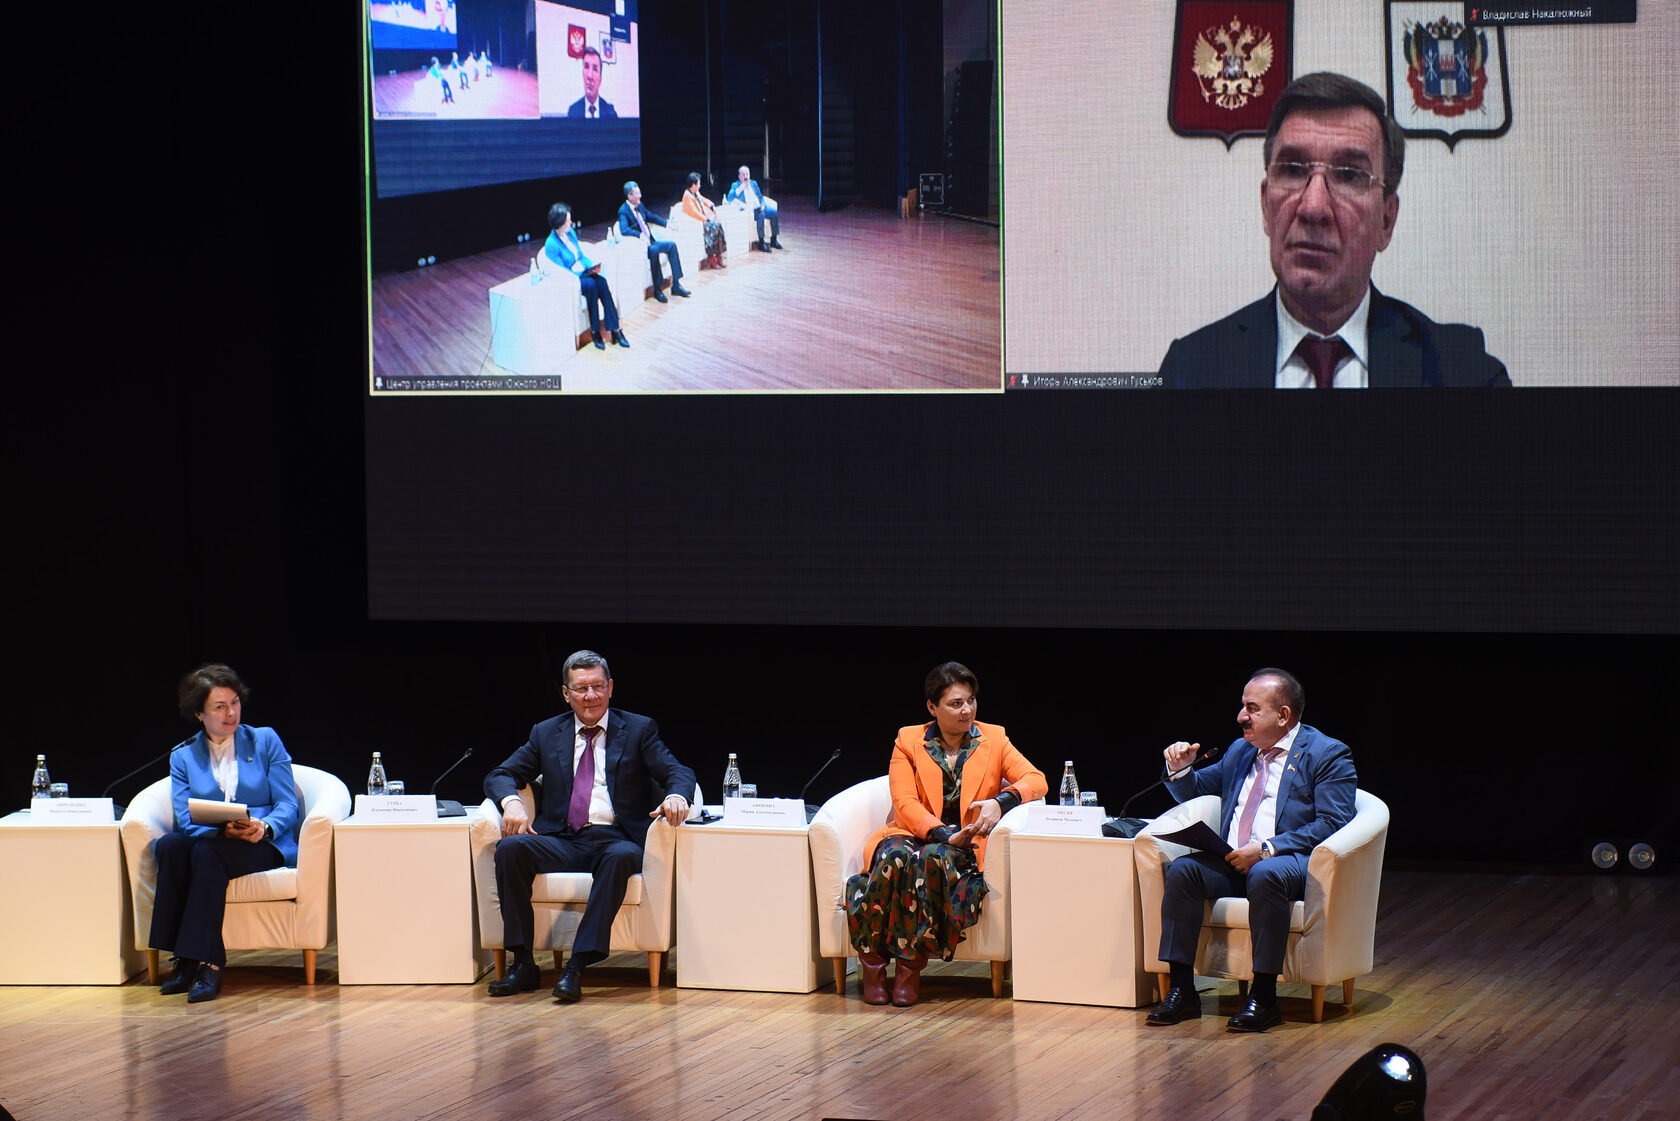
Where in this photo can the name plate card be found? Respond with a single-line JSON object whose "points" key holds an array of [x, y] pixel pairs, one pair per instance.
{"points": [[764, 813], [1065, 821], [396, 809], [71, 811]]}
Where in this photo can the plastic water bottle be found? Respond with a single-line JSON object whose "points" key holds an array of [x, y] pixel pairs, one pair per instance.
{"points": [[376, 776], [535, 275], [41, 785], [1070, 785], [732, 778]]}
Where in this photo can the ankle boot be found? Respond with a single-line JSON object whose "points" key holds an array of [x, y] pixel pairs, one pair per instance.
{"points": [[907, 980], [872, 972]]}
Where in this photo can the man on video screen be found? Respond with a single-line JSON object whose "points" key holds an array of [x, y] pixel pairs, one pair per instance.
{"points": [[1328, 205], [592, 106]]}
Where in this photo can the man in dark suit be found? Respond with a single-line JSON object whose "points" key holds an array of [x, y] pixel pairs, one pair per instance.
{"points": [[1328, 204], [592, 106], [1283, 787], [601, 772], [635, 221]]}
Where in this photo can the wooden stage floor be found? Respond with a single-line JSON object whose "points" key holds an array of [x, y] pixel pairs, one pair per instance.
{"points": [[860, 301], [1527, 996]]}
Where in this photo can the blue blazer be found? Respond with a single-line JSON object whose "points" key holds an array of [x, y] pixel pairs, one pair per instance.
{"points": [[265, 785], [627, 225], [566, 252], [1315, 794], [735, 192], [641, 772], [1407, 349]]}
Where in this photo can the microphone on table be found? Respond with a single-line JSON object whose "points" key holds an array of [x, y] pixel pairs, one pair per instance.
{"points": [[810, 810], [1123, 826], [448, 807], [148, 764]]}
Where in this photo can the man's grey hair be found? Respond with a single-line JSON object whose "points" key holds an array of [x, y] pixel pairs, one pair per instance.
{"points": [[583, 659]]}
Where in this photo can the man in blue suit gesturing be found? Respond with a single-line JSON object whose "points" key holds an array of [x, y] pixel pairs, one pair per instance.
{"points": [[1283, 788]]}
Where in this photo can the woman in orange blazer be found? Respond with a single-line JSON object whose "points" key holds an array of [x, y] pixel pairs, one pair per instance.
{"points": [[952, 780], [700, 208]]}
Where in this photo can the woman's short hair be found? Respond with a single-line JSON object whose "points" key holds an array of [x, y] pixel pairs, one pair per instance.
{"points": [[195, 687], [694, 179], [557, 215], [947, 674]]}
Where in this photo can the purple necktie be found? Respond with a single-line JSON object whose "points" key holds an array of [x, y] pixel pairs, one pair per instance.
{"points": [[583, 783], [1256, 795], [1322, 357]]}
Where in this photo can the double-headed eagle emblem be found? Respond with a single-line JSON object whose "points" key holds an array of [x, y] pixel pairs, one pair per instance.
{"points": [[1231, 61]]}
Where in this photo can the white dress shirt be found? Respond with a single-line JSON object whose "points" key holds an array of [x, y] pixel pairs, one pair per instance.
{"points": [[1353, 372]]}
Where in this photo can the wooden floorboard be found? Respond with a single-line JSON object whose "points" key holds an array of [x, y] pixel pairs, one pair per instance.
{"points": [[860, 300], [1527, 997]]}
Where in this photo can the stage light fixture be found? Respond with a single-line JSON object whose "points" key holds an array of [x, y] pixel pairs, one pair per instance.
{"points": [[1642, 857], [421, 262], [431, 260], [1386, 1081], [1604, 856]]}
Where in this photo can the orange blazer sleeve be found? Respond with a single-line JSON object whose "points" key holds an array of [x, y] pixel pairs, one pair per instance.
{"points": [[690, 207]]}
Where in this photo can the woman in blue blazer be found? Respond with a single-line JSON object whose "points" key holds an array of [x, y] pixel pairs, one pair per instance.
{"points": [[226, 762]]}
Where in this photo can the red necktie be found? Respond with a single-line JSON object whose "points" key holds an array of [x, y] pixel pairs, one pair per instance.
{"points": [[583, 783], [1322, 356], [1256, 795]]}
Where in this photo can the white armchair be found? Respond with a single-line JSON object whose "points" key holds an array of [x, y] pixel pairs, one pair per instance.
{"points": [[645, 923], [1332, 933], [738, 226], [838, 833], [280, 909], [628, 272]]}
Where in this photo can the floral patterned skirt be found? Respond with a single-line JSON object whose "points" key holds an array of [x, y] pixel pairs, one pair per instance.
{"points": [[712, 235], [915, 898]]}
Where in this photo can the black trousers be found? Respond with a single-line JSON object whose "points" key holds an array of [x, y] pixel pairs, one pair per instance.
{"points": [[594, 288], [192, 880], [604, 851], [669, 248], [1272, 886]]}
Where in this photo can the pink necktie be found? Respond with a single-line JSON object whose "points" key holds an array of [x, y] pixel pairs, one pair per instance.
{"points": [[583, 783], [1322, 356], [1256, 795]]}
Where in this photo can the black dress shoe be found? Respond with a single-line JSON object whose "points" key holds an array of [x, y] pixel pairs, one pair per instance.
{"points": [[776, 243], [761, 246], [569, 988], [524, 977], [595, 337], [618, 337], [182, 979], [662, 297], [1181, 1004], [679, 290], [1255, 1017], [207, 983]]}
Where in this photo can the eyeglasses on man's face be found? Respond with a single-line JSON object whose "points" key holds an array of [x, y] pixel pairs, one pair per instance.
{"points": [[1290, 177]]}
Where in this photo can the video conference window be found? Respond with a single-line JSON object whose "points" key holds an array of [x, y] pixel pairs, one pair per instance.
{"points": [[470, 93], [1534, 232], [767, 294]]}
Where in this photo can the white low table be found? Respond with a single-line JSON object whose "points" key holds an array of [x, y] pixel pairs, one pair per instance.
{"points": [[746, 910], [1077, 929], [533, 327], [69, 919], [404, 893]]}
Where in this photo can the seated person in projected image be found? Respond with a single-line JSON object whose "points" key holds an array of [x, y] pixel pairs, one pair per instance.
{"points": [[1328, 205], [592, 106], [635, 221], [1284, 787], [745, 191], [606, 775], [700, 208], [562, 249]]}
